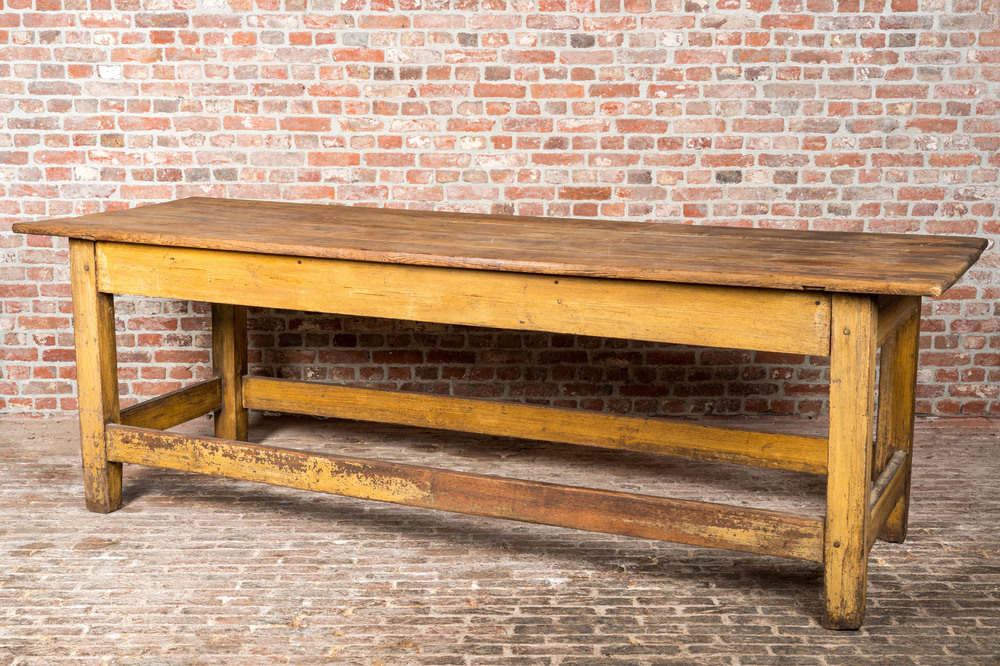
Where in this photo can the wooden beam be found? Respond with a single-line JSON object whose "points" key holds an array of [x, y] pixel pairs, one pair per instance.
{"points": [[96, 377], [852, 407], [893, 312], [886, 492], [229, 361], [740, 317], [567, 426], [683, 521], [896, 407], [176, 407]]}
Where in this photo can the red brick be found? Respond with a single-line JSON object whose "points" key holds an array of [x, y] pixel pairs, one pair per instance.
{"points": [[833, 160], [585, 193], [357, 55], [332, 158], [943, 125], [921, 193], [914, 91], [787, 21], [615, 90], [558, 90], [508, 90], [305, 124], [642, 126]]}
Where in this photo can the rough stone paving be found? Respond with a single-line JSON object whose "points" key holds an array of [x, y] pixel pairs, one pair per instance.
{"points": [[201, 570], [877, 115]]}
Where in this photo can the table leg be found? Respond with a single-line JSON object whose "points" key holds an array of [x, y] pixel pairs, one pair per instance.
{"points": [[96, 377], [852, 379], [229, 360], [896, 401]]}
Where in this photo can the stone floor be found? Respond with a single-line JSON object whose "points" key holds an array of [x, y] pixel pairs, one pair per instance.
{"points": [[197, 570]]}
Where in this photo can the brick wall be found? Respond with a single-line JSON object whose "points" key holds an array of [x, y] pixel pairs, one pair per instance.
{"points": [[868, 115]]}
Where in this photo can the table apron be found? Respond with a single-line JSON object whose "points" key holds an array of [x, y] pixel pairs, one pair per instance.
{"points": [[705, 315]]}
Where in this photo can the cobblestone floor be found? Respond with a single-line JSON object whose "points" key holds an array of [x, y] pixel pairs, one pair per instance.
{"points": [[195, 570]]}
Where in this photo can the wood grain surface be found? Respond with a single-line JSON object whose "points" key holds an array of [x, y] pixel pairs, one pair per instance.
{"points": [[896, 407], [180, 406], [553, 424], [684, 521], [915, 265], [848, 488], [229, 362], [742, 317], [96, 378], [886, 494]]}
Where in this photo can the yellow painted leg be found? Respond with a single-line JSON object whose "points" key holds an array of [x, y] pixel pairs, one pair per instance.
{"points": [[96, 377], [229, 359], [897, 396], [852, 379]]}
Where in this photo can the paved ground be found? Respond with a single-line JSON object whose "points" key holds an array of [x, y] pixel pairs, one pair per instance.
{"points": [[195, 570]]}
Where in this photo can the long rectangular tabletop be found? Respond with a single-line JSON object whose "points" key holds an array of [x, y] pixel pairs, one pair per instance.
{"points": [[873, 263]]}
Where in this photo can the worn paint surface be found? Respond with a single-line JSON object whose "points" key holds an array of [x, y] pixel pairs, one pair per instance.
{"points": [[896, 407], [97, 378], [852, 409], [780, 451], [686, 521], [176, 407], [720, 316]]}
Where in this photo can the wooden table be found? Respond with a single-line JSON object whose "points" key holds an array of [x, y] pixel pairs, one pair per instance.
{"points": [[839, 294]]}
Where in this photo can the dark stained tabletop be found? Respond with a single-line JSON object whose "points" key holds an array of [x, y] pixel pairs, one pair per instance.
{"points": [[770, 258]]}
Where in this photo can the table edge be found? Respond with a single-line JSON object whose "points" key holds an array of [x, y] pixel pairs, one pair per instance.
{"points": [[63, 227]]}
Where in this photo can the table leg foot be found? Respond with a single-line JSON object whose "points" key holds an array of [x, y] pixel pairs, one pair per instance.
{"points": [[844, 621], [103, 488]]}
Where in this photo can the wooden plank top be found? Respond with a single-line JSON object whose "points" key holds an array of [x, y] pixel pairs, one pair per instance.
{"points": [[777, 259]]}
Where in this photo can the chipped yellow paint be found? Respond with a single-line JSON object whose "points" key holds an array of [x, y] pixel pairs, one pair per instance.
{"points": [[276, 467], [382, 488], [684, 521]]}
